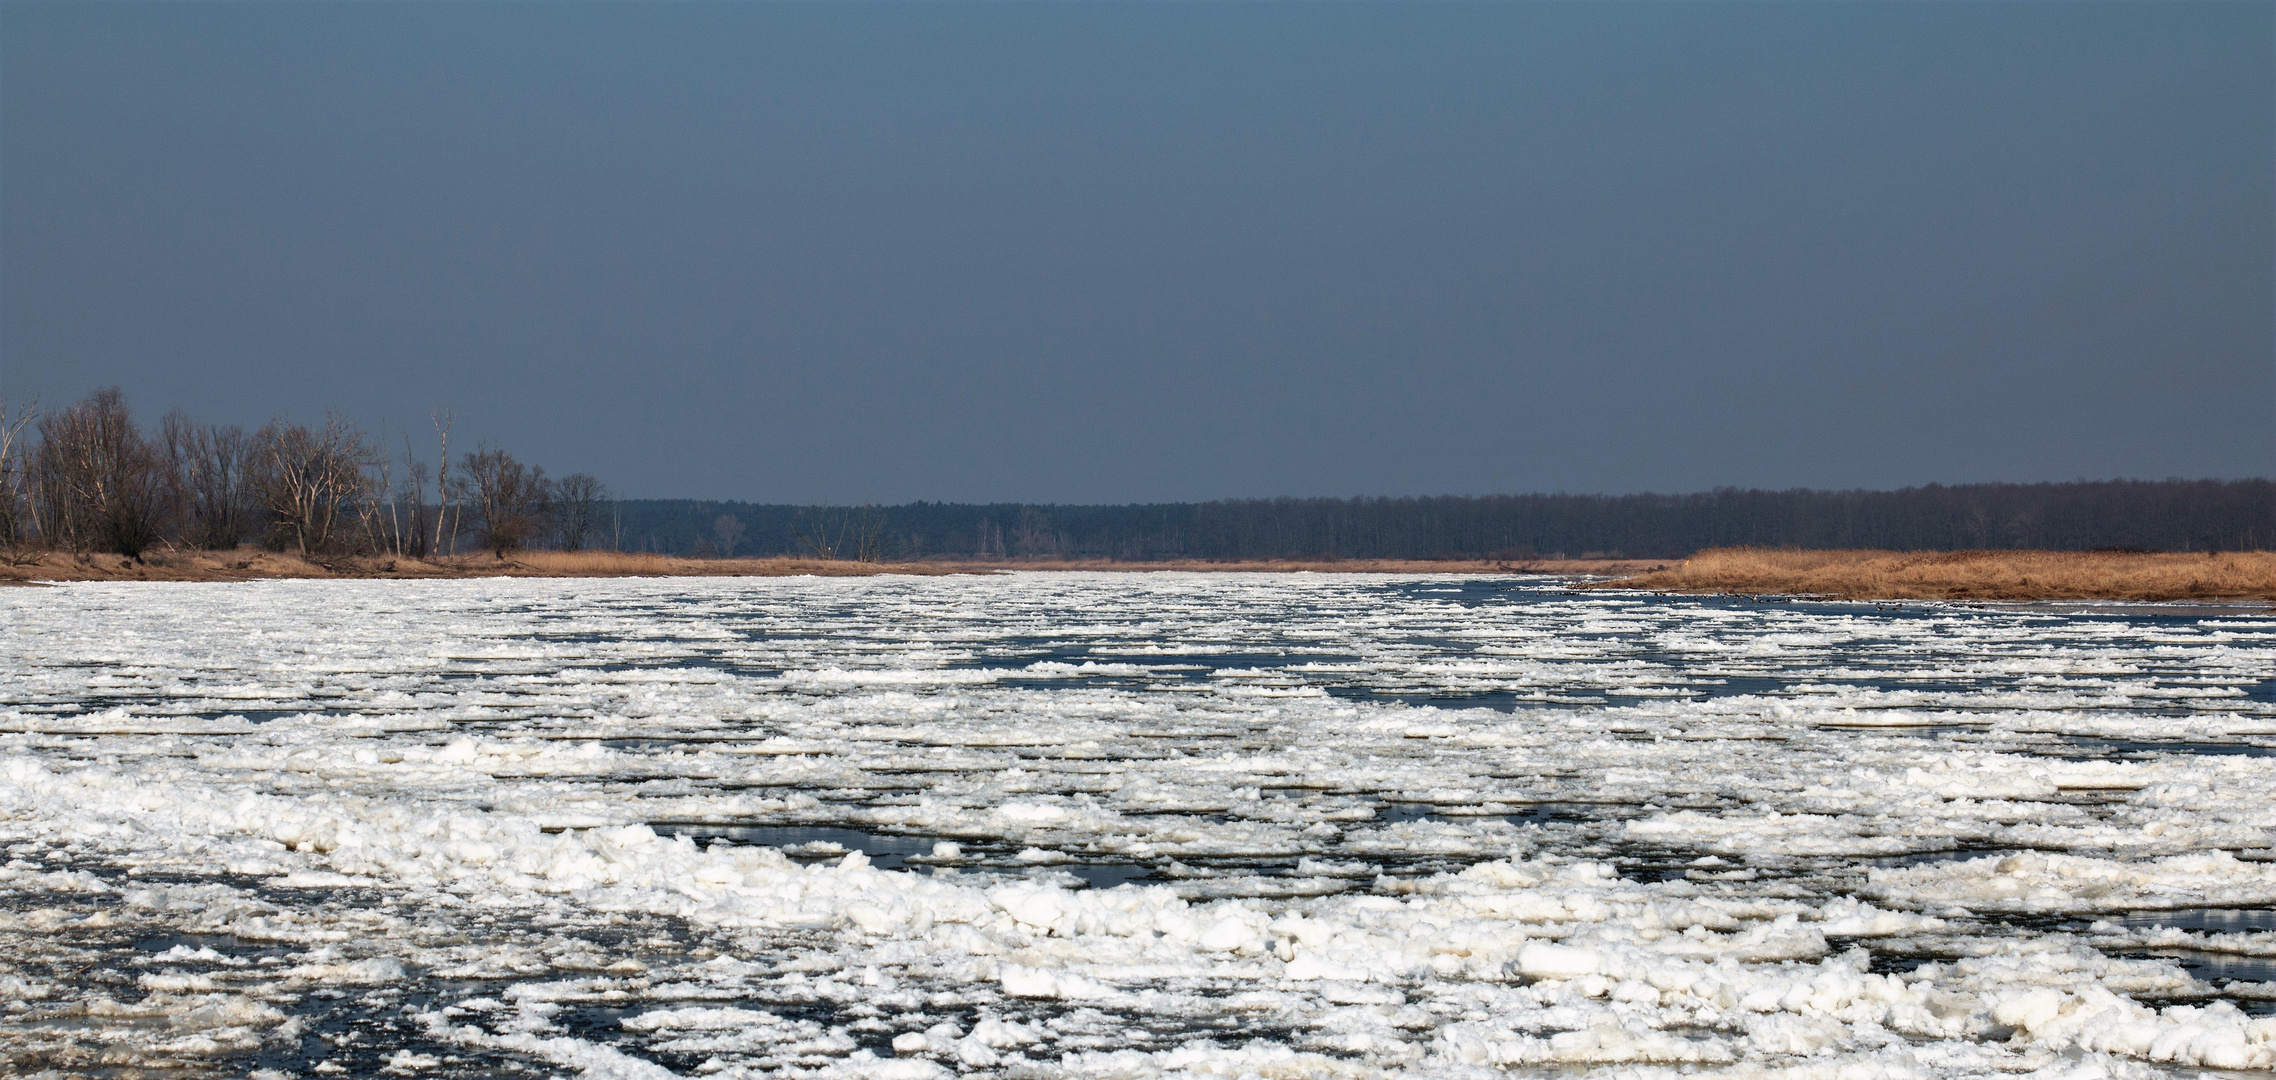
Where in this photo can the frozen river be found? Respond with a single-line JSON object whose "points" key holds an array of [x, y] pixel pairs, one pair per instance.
{"points": [[1125, 826]]}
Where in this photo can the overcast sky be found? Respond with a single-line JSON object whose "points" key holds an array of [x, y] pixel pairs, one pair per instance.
{"points": [[1166, 251]]}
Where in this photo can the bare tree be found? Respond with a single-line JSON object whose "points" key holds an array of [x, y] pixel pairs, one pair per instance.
{"points": [[96, 482], [415, 497], [869, 534], [378, 492], [15, 513], [729, 531], [310, 480], [443, 420], [577, 499], [820, 530], [989, 540], [206, 481], [511, 501], [1035, 536], [828, 532]]}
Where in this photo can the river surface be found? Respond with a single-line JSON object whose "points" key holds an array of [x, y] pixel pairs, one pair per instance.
{"points": [[1126, 825]]}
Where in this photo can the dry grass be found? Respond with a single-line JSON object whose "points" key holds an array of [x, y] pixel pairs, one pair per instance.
{"points": [[1969, 575], [247, 564], [1882, 575]]}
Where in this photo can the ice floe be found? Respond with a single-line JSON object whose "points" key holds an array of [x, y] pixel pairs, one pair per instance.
{"points": [[1125, 826]]}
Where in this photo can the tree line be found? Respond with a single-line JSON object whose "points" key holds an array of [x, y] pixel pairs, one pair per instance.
{"points": [[2162, 515], [87, 478]]}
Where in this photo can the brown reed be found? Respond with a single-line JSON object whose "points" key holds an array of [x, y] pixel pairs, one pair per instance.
{"points": [[1969, 575]]}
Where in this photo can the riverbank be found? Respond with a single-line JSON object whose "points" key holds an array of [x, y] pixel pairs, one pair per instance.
{"points": [[1853, 575], [248, 564], [1967, 575]]}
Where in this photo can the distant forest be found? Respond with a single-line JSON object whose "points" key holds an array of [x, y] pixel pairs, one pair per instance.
{"points": [[86, 477], [2167, 515]]}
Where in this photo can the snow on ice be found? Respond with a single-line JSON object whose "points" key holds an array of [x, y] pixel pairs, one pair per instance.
{"points": [[1127, 826]]}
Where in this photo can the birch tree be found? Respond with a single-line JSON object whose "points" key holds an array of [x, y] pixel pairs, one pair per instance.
{"points": [[728, 530], [309, 480], [15, 511], [443, 420]]}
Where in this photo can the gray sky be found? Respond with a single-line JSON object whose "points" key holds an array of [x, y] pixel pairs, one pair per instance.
{"points": [[1166, 251]]}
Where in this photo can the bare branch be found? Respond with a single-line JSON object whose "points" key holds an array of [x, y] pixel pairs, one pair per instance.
{"points": [[512, 502], [96, 482], [15, 513], [578, 498]]}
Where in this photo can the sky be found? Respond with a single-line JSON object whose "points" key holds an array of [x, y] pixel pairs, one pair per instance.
{"points": [[1113, 252]]}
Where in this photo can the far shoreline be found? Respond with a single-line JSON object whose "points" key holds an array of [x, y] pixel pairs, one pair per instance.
{"points": [[1981, 576], [251, 564]]}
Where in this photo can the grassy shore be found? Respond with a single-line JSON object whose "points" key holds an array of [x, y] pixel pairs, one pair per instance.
{"points": [[1968, 575], [1860, 575], [248, 564]]}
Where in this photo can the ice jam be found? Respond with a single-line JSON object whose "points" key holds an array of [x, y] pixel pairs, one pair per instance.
{"points": [[1126, 825]]}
